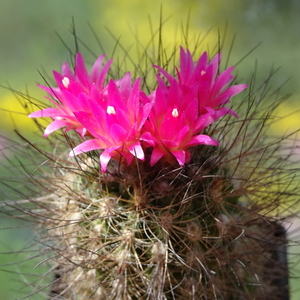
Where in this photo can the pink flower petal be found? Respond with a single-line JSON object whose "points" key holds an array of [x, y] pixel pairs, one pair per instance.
{"points": [[222, 81], [148, 138], [137, 151], [55, 125], [186, 65], [104, 160], [202, 139], [128, 157], [47, 112], [133, 102], [180, 156], [225, 96], [183, 134], [105, 157], [87, 146], [165, 73], [81, 72], [156, 155], [146, 110], [96, 69], [66, 71], [201, 64], [118, 133]]}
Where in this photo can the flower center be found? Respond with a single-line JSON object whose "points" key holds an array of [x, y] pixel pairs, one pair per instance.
{"points": [[110, 110], [175, 113], [65, 81]]}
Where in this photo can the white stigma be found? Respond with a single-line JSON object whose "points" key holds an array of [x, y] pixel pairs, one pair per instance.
{"points": [[175, 113], [111, 110], [66, 81], [202, 72]]}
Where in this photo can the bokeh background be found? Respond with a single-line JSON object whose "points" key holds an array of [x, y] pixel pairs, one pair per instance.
{"points": [[35, 36]]}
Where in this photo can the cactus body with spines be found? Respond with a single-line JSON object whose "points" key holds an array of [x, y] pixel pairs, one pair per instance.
{"points": [[168, 234]]}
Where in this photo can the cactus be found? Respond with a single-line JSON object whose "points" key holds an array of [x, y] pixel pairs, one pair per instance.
{"points": [[151, 221]]}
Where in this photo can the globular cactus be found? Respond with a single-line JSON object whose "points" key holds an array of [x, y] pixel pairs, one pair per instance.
{"points": [[187, 198]]}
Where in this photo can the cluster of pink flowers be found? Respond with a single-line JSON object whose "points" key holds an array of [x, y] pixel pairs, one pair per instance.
{"points": [[120, 119]]}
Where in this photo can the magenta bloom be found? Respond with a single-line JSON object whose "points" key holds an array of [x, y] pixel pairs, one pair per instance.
{"points": [[72, 94], [116, 122], [213, 91], [188, 105], [174, 124], [119, 119]]}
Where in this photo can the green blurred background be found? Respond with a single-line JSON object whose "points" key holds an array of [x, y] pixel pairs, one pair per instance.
{"points": [[29, 43]]}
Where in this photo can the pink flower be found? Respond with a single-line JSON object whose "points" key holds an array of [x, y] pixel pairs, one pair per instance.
{"points": [[72, 94], [116, 122], [213, 91], [174, 123], [188, 105], [119, 119]]}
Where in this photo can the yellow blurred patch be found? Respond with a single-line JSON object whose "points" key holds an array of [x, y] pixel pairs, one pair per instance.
{"points": [[137, 25], [13, 115], [287, 118]]}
